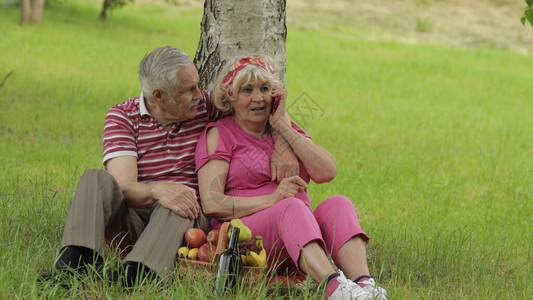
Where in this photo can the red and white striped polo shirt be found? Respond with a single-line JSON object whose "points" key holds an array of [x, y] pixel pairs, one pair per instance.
{"points": [[161, 155]]}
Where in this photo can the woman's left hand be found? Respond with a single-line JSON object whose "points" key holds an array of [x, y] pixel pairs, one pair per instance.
{"points": [[280, 120], [289, 187]]}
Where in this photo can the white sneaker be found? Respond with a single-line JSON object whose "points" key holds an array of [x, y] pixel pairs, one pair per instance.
{"points": [[349, 290], [375, 291]]}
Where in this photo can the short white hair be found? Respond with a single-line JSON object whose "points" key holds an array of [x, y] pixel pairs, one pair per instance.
{"points": [[159, 69]]}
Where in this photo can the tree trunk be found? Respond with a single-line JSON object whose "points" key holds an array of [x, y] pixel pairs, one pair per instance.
{"points": [[31, 10], [105, 6], [25, 11], [235, 27], [37, 7]]}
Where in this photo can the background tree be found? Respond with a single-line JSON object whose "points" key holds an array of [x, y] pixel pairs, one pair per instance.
{"points": [[233, 27], [110, 4], [31, 11], [528, 13]]}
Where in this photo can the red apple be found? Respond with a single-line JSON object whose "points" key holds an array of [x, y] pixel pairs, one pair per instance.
{"points": [[195, 237], [206, 252], [212, 237]]}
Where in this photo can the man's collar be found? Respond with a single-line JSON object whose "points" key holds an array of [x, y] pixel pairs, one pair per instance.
{"points": [[142, 106]]}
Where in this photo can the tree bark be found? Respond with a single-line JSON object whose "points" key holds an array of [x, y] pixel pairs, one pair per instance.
{"points": [[37, 7], [31, 11], [25, 11], [235, 27], [105, 6]]}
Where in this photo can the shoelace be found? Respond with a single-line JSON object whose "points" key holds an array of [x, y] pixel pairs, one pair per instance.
{"points": [[372, 282], [368, 281], [349, 286]]}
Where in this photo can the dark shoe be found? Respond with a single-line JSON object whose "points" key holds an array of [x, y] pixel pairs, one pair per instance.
{"points": [[77, 258], [128, 274], [73, 260]]}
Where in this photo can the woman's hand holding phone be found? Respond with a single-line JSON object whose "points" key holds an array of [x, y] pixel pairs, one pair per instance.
{"points": [[275, 103], [279, 118]]}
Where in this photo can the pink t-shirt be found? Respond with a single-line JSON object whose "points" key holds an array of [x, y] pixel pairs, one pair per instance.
{"points": [[249, 160]]}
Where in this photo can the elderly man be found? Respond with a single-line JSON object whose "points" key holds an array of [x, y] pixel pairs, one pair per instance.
{"points": [[147, 199]]}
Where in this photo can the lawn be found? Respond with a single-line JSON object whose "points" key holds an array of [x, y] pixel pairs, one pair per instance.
{"points": [[434, 145]]}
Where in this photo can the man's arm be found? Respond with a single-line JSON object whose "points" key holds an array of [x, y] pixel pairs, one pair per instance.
{"points": [[283, 163], [319, 163], [179, 198], [212, 111]]}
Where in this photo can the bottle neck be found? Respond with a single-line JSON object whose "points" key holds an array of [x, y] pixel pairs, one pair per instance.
{"points": [[234, 238]]}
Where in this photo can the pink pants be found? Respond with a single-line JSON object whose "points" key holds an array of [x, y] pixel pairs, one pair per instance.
{"points": [[290, 224]]}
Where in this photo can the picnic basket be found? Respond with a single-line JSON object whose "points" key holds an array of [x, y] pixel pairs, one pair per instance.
{"points": [[211, 268]]}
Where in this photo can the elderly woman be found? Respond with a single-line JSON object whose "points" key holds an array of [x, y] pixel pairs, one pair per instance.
{"points": [[232, 162]]}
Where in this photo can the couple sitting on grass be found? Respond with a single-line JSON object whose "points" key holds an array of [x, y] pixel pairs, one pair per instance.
{"points": [[250, 164]]}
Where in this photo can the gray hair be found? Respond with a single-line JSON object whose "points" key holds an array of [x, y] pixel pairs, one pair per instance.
{"points": [[159, 69]]}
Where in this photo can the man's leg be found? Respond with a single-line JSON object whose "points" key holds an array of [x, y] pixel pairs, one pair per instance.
{"points": [[157, 246], [98, 202]]}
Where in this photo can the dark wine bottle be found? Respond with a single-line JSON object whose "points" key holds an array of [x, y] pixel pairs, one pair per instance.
{"points": [[229, 265]]}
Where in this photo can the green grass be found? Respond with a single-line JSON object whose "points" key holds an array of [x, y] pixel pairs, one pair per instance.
{"points": [[434, 145]]}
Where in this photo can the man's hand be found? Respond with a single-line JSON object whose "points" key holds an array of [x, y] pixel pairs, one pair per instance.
{"points": [[179, 198], [283, 163]]}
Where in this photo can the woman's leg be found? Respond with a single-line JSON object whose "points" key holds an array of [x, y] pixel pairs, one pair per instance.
{"points": [[290, 224], [343, 235], [351, 258], [313, 261]]}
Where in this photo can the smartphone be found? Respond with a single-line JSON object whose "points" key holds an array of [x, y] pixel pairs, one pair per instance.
{"points": [[275, 103]]}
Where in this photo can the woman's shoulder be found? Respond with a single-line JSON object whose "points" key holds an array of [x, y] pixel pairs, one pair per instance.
{"points": [[224, 123], [223, 126]]}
